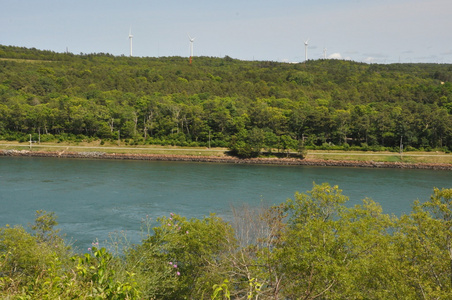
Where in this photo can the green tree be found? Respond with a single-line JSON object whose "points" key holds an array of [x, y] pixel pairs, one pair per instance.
{"points": [[333, 252], [423, 252], [44, 226], [176, 261]]}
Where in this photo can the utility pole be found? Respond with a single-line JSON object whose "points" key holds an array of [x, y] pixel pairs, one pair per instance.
{"points": [[401, 146]]}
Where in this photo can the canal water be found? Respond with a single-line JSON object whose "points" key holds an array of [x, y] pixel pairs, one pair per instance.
{"points": [[93, 198]]}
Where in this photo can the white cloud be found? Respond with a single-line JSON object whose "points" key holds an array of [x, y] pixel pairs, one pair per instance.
{"points": [[335, 56]]}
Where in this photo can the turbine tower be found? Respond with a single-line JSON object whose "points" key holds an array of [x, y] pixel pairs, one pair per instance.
{"points": [[324, 53], [191, 46], [306, 50], [130, 40]]}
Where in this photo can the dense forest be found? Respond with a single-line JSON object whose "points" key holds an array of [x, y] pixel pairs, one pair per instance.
{"points": [[245, 105], [310, 247]]}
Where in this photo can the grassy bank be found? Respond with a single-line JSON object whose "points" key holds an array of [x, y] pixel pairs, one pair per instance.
{"points": [[407, 157], [112, 148]]}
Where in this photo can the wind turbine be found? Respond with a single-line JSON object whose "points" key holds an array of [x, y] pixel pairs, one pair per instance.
{"points": [[324, 53], [191, 46], [306, 50], [130, 40]]}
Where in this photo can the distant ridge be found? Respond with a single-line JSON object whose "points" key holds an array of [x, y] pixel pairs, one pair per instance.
{"points": [[244, 105]]}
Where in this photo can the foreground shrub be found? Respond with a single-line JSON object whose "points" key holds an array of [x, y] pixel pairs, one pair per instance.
{"points": [[174, 261], [311, 247]]}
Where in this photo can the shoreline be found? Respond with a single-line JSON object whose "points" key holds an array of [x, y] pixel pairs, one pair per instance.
{"points": [[230, 159]]}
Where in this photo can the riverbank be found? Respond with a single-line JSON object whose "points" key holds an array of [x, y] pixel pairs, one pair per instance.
{"points": [[226, 159]]}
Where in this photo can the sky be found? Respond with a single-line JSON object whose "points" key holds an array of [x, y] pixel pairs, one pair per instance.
{"points": [[372, 31]]}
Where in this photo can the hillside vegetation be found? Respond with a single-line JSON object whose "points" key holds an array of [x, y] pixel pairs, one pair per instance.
{"points": [[244, 105]]}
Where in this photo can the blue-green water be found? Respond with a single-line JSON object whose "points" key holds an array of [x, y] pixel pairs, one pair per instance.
{"points": [[95, 197]]}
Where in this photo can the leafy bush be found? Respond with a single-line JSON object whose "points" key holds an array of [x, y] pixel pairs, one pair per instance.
{"points": [[312, 246]]}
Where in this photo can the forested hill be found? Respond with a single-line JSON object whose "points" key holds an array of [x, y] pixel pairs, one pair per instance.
{"points": [[254, 103]]}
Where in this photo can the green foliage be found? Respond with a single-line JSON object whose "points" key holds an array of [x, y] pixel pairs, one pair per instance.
{"points": [[44, 226], [311, 247], [221, 291], [96, 273], [323, 202], [328, 103], [31, 267], [331, 251], [239, 147], [20, 252], [175, 261]]}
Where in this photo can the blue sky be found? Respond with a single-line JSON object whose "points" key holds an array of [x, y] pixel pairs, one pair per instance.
{"points": [[378, 31]]}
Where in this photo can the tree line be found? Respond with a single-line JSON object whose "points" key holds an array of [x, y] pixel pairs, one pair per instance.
{"points": [[246, 105], [313, 246]]}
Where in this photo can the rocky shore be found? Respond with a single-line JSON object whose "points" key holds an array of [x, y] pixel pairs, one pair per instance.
{"points": [[228, 159]]}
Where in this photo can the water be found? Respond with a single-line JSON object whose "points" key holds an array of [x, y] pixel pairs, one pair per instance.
{"points": [[93, 198]]}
